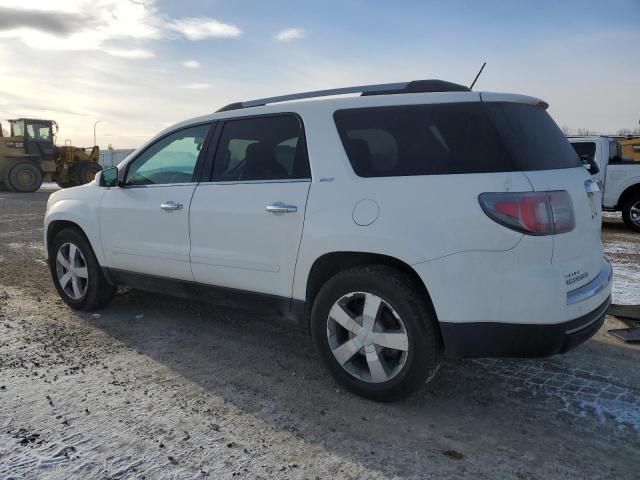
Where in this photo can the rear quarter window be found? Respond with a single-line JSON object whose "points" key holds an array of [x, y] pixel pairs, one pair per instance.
{"points": [[533, 139], [453, 138], [421, 140]]}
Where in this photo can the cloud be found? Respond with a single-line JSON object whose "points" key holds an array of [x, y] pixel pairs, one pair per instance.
{"points": [[202, 27], [50, 22], [290, 34], [84, 25], [130, 53], [196, 86], [191, 64]]}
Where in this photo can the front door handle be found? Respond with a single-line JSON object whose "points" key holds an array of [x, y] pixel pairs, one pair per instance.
{"points": [[281, 208], [171, 206]]}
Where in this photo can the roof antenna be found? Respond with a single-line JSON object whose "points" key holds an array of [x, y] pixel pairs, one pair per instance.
{"points": [[476, 79]]}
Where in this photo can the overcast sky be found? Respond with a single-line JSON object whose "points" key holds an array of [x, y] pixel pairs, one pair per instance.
{"points": [[141, 65]]}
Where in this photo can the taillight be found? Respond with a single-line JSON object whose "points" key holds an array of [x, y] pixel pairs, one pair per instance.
{"points": [[533, 213]]}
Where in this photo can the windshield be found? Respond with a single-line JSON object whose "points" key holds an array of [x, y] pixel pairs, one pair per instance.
{"points": [[39, 132]]}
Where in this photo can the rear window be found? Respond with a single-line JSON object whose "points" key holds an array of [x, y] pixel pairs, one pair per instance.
{"points": [[449, 139]]}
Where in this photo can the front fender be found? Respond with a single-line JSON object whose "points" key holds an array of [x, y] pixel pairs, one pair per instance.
{"points": [[80, 213]]}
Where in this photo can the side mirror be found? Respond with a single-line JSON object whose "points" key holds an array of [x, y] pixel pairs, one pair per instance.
{"points": [[593, 167], [109, 177], [590, 164]]}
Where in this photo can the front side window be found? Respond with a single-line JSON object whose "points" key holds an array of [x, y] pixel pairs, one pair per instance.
{"points": [[172, 159], [261, 148], [39, 132]]}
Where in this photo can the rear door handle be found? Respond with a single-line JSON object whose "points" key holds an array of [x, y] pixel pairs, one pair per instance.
{"points": [[281, 208], [171, 206]]}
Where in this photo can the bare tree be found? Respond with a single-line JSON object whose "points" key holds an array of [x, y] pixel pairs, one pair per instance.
{"points": [[623, 132], [586, 132], [567, 130]]}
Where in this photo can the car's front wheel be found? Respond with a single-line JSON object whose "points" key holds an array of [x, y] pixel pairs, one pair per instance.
{"points": [[76, 273], [376, 332]]}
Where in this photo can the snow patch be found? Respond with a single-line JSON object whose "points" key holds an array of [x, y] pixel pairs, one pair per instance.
{"points": [[49, 186], [626, 283]]}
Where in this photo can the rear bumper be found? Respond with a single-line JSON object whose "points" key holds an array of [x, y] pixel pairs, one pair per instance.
{"points": [[491, 339]]}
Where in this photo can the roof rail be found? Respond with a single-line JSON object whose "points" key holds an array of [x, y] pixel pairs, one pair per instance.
{"points": [[416, 86]]}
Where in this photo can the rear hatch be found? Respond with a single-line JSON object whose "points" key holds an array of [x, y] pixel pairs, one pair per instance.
{"points": [[548, 160]]}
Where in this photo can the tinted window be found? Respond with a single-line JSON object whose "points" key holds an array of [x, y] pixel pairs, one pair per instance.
{"points": [[452, 138], [615, 151], [172, 159], [532, 137], [585, 150], [421, 140], [262, 148]]}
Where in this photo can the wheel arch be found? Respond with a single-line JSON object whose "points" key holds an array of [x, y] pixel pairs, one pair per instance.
{"points": [[56, 225], [628, 193], [329, 264]]}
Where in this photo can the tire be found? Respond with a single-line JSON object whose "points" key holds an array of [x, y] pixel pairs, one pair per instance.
{"points": [[24, 177], [85, 171], [404, 310], [631, 213], [93, 291]]}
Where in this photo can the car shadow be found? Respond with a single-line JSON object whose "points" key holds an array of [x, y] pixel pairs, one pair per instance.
{"points": [[267, 367], [615, 224]]}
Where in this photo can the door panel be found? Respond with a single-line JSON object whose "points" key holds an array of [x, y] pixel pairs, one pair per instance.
{"points": [[139, 236], [144, 223], [237, 243], [246, 226]]}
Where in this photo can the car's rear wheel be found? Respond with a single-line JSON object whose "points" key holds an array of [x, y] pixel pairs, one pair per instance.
{"points": [[76, 273], [376, 332], [631, 213]]}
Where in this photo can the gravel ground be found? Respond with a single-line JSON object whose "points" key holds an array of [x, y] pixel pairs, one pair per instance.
{"points": [[153, 387]]}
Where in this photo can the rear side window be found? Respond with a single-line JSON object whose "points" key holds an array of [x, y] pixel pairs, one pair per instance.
{"points": [[421, 140], [615, 151], [585, 150], [261, 148], [452, 138]]}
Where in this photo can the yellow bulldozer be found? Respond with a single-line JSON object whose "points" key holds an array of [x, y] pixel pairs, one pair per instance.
{"points": [[29, 156]]}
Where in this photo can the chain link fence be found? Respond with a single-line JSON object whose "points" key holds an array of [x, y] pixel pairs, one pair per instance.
{"points": [[111, 158]]}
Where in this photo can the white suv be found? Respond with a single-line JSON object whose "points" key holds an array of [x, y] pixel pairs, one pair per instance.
{"points": [[413, 220]]}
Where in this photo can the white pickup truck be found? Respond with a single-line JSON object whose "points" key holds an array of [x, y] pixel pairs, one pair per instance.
{"points": [[619, 176]]}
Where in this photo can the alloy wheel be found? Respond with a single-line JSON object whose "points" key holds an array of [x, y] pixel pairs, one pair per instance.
{"points": [[71, 270], [634, 213], [367, 337]]}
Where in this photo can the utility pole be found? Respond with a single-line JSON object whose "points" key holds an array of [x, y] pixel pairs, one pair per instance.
{"points": [[94, 131]]}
